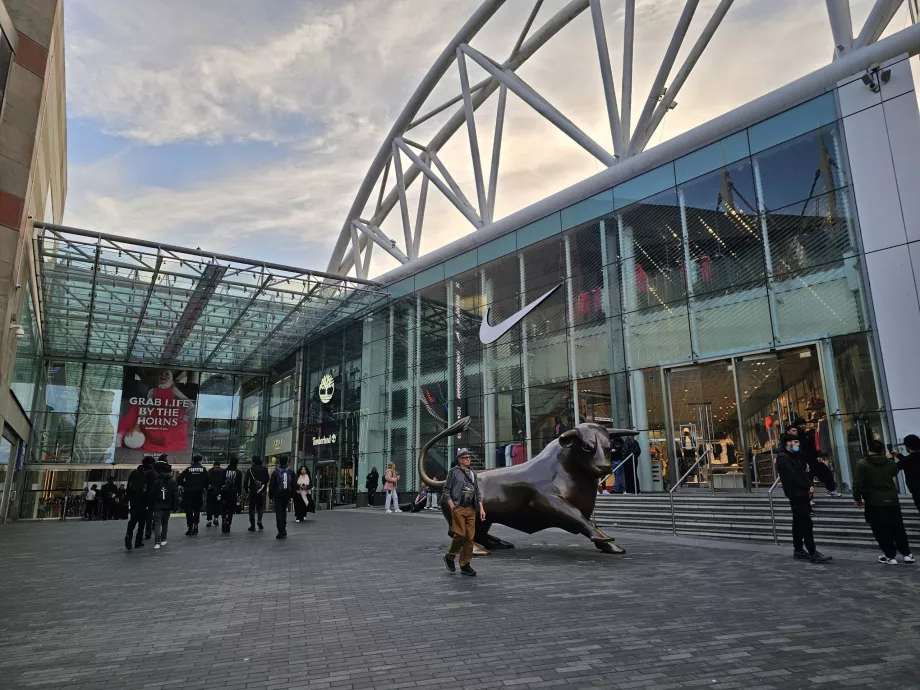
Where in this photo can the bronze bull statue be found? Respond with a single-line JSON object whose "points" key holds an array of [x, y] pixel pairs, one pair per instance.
{"points": [[557, 488]]}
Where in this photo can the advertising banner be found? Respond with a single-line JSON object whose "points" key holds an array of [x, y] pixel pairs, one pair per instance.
{"points": [[157, 414]]}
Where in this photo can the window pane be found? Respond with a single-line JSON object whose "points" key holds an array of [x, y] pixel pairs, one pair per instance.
{"points": [[550, 407], [803, 118], [801, 169], [821, 302], [101, 390], [56, 438], [212, 438], [62, 392], [736, 320], [654, 336], [95, 438], [216, 396], [712, 157], [26, 365]]}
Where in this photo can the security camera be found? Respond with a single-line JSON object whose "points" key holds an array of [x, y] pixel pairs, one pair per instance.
{"points": [[19, 332], [870, 82], [885, 76]]}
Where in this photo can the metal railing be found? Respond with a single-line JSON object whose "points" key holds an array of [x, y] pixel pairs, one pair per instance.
{"points": [[632, 457], [678, 484], [773, 514]]}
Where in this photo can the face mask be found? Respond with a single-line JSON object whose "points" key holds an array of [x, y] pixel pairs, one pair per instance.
{"points": [[794, 449]]}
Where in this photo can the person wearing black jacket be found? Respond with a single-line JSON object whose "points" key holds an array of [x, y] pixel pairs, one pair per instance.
{"points": [[910, 465], [281, 488], [813, 458], [256, 485], [215, 482], [873, 484], [138, 483], [793, 472], [230, 490], [162, 496], [151, 477], [371, 482], [195, 482]]}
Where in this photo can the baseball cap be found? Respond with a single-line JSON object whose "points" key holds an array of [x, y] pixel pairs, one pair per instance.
{"points": [[463, 451]]}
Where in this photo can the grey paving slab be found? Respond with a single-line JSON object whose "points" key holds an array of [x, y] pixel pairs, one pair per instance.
{"points": [[359, 599]]}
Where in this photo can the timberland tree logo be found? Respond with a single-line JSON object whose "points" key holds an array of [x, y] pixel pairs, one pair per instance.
{"points": [[326, 388]]}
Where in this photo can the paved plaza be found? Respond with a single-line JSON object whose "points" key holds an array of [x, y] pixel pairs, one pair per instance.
{"points": [[359, 599]]}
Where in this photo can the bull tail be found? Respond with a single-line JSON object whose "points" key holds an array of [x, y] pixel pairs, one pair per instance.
{"points": [[454, 429]]}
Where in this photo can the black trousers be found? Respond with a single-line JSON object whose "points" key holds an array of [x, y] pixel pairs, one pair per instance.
{"points": [[228, 508], [915, 492], [802, 529], [281, 504], [824, 474], [300, 507], [139, 520], [370, 497], [148, 524], [887, 526], [89, 509], [192, 508], [256, 507], [213, 507]]}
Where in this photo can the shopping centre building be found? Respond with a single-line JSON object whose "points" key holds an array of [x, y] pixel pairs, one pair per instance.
{"points": [[756, 270]]}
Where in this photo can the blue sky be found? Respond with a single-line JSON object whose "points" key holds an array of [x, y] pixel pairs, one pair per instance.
{"points": [[246, 127]]}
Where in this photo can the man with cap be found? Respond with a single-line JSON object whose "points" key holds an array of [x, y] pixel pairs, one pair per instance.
{"points": [[256, 484], [215, 481], [461, 491], [194, 480], [281, 488], [793, 472], [138, 483]]}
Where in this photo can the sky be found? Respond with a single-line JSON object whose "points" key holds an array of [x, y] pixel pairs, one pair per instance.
{"points": [[246, 127]]}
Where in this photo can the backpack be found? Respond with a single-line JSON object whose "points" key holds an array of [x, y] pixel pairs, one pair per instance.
{"points": [[285, 485], [229, 486], [137, 483]]}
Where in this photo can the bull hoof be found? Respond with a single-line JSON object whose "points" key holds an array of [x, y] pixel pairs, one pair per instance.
{"points": [[609, 547]]}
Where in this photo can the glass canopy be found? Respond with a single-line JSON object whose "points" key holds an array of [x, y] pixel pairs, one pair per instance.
{"points": [[122, 300]]}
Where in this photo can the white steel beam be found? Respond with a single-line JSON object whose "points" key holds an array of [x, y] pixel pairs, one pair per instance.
{"points": [[440, 184], [838, 13], [383, 182], [444, 106], [640, 139], [526, 93], [420, 216], [356, 252], [449, 179], [497, 149], [879, 18], [377, 235], [610, 94], [629, 32], [403, 202], [527, 25], [474, 138], [665, 69], [367, 257]]}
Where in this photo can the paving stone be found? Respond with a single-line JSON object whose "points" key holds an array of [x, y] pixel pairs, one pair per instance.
{"points": [[355, 599]]}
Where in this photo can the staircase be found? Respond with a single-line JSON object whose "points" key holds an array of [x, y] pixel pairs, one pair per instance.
{"points": [[743, 516]]}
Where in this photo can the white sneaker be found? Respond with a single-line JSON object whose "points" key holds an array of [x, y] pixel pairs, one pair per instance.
{"points": [[909, 559], [834, 493], [163, 543], [884, 560], [157, 545]]}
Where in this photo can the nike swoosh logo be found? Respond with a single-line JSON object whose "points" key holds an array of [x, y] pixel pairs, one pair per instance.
{"points": [[488, 334]]}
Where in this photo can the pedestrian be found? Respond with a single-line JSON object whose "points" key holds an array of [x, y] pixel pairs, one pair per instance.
{"points": [[136, 493], [256, 486], [797, 486], [194, 482], [461, 490], [873, 484], [152, 476], [432, 497], [215, 482], [910, 465], [162, 497], [121, 503], [281, 486], [302, 500], [390, 481], [229, 492], [370, 483], [89, 503], [109, 492]]}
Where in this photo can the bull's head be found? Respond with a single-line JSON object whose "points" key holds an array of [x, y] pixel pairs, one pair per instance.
{"points": [[587, 447]]}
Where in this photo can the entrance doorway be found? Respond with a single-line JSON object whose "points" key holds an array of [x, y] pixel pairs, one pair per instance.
{"points": [[731, 413]]}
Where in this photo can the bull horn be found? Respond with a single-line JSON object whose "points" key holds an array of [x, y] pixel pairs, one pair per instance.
{"points": [[454, 429]]}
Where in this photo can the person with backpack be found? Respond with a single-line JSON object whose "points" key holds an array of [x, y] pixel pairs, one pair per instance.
{"points": [[256, 485], [281, 488], [910, 465], [162, 497], [230, 490], [873, 484], [136, 493], [151, 477], [194, 482], [215, 482], [793, 472]]}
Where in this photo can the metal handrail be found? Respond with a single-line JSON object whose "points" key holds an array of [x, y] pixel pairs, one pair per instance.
{"points": [[677, 486], [631, 456], [772, 514]]}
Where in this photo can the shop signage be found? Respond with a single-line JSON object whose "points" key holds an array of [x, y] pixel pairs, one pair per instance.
{"points": [[326, 388], [325, 440], [278, 443], [489, 334]]}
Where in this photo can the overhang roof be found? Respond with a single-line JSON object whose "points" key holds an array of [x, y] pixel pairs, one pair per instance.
{"points": [[121, 300]]}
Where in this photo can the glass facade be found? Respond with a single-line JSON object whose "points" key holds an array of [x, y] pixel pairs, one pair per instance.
{"points": [[748, 245]]}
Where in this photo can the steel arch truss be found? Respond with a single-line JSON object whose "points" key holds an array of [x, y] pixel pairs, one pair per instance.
{"points": [[409, 160]]}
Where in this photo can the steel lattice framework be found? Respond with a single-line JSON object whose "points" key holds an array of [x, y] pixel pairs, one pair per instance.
{"points": [[408, 160]]}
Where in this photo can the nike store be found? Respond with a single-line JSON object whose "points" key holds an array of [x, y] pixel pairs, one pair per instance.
{"points": [[709, 302]]}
